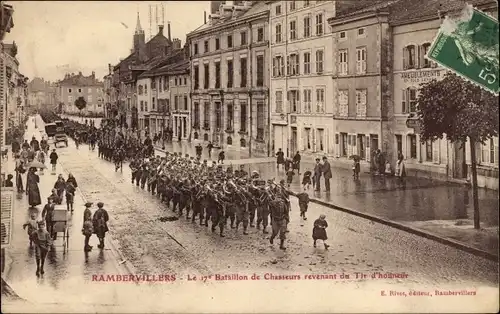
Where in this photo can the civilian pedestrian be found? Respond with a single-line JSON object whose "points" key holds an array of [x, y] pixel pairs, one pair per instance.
{"points": [[317, 175], [296, 162], [100, 223], [53, 160], [43, 242], [32, 189], [327, 173], [280, 159], [306, 180], [319, 231]]}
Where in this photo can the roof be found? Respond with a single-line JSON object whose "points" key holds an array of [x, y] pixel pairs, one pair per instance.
{"points": [[257, 8], [165, 64], [403, 11], [80, 80], [406, 11]]}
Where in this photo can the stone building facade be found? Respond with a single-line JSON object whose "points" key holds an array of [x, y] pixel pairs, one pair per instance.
{"points": [[301, 77], [229, 77]]}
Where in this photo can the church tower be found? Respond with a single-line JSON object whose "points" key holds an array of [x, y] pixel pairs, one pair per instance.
{"points": [[139, 36]]}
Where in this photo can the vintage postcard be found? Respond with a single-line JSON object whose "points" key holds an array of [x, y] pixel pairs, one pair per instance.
{"points": [[249, 156]]}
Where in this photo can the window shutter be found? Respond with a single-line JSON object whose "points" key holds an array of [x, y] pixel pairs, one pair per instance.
{"points": [[297, 65], [418, 53], [435, 151], [404, 102], [367, 148], [478, 153], [405, 58], [274, 67], [288, 70], [365, 60]]}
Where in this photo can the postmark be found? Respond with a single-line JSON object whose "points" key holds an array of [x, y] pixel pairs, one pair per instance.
{"points": [[468, 46]]}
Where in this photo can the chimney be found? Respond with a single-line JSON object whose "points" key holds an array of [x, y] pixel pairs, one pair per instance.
{"points": [[110, 68], [168, 30], [204, 17], [160, 29], [93, 75]]}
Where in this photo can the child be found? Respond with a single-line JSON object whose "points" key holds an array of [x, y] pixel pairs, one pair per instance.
{"points": [[289, 177], [8, 182], [306, 180], [303, 204], [32, 226], [356, 169], [288, 163], [222, 156], [319, 230]]}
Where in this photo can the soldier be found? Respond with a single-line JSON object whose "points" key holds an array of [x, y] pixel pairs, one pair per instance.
{"points": [[145, 175], [242, 214], [279, 220], [263, 209], [100, 223], [88, 228], [218, 216]]}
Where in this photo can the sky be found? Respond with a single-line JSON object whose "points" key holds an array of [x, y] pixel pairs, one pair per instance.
{"points": [[58, 37]]}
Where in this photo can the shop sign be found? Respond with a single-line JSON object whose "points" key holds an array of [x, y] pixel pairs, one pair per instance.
{"points": [[414, 124], [422, 76]]}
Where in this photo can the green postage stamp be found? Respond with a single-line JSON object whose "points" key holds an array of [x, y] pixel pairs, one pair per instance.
{"points": [[468, 46]]}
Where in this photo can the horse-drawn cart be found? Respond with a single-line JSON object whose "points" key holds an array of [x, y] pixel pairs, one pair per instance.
{"points": [[61, 224]]}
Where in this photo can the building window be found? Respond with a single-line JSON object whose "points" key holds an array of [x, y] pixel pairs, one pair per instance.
{"points": [[243, 72], [343, 142], [319, 24], [425, 63], [217, 74], [361, 60], [230, 117], [142, 105], [69, 90], [70, 99], [361, 103], [493, 151], [293, 64], [176, 82], [260, 34], [320, 100], [166, 81], [230, 41], [153, 104], [229, 73], [196, 74], [196, 115], [185, 81], [361, 32], [153, 84], [307, 27], [217, 43], [218, 115], [89, 99], [409, 101], [307, 101], [195, 49], [342, 36], [278, 33], [306, 3], [307, 63], [343, 62], [409, 60], [261, 121], [207, 76], [292, 5], [279, 101], [361, 146], [412, 139], [260, 71], [343, 103], [206, 46], [399, 144], [160, 84], [206, 115], [185, 102], [278, 66], [428, 151], [293, 97], [319, 61], [176, 102], [145, 89], [243, 38], [293, 30], [79, 90], [278, 9], [243, 117]]}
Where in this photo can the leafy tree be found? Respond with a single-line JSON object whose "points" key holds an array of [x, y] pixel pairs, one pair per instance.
{"points": [[461, 110], [80, 103]]}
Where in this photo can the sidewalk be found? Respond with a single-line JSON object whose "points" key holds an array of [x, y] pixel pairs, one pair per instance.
{"points": [[65, 271]]}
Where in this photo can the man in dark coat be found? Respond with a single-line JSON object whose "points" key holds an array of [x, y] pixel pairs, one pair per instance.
{"points": [[100, 223], [53, 160], [327, 173], [317, 175]]}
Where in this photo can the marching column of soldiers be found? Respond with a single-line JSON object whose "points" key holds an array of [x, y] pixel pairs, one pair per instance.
{"points": [[208, 193]]}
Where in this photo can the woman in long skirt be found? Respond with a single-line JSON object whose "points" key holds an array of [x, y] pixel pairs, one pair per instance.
{"points": [[33, 191], [319, 231]]}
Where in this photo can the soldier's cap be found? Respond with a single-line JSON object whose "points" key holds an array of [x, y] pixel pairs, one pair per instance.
{"points": [[317, 159], [88, 204], [100, 204]]}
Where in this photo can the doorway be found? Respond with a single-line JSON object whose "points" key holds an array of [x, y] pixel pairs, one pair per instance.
{"points": [[373, 148], [293, 144]]}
